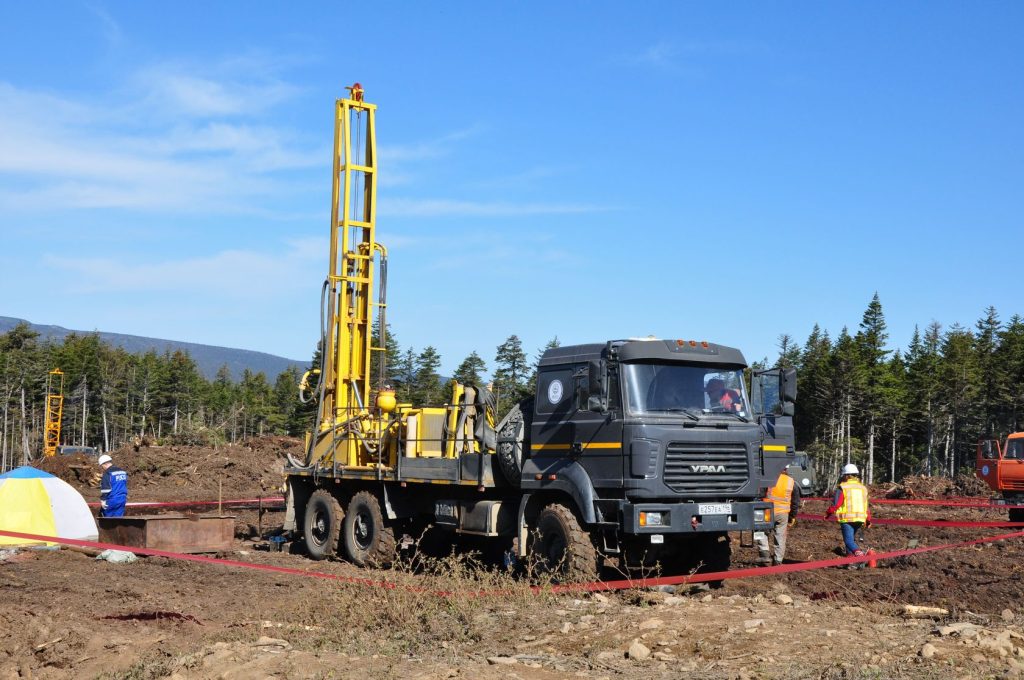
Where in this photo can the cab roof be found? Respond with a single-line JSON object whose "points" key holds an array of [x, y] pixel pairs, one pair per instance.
{"points": [[646, 350]]}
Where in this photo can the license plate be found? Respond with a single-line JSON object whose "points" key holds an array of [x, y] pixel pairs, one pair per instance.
{"points": [[714, 509]]}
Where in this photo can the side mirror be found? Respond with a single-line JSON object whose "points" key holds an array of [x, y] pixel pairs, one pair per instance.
{"points": [[591, 387], [788, 379], [581, 386], [985, 449]]}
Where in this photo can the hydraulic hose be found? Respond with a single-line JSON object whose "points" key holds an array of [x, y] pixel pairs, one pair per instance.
{"points": [[317, 393]]}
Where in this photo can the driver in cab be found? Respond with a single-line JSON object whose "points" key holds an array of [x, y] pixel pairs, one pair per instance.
{"points": [[722, 397]]}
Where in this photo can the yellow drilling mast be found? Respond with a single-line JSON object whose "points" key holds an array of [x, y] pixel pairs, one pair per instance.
{"points": [[359, 429], [54, 411]]}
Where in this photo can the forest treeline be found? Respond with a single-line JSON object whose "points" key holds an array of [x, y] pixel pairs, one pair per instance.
{"points": [[113, 397], [915, 410]]}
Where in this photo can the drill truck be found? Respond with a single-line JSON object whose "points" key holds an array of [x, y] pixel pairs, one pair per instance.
{"points": [[1001, 465], [643, 451]]}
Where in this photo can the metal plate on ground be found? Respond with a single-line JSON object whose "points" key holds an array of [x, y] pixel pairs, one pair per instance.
{"points": [[171, 532]]}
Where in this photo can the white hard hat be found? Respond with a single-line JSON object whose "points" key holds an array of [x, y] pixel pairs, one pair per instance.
{"points": [[850, 469], [105, 459]]}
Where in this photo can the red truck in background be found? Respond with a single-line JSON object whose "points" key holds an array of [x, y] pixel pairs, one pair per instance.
{"points": [[1001, 465]]}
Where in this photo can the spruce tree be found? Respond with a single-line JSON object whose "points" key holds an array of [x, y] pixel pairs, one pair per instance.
{"points": [[471, 370], [427, 389], [510, 375]]}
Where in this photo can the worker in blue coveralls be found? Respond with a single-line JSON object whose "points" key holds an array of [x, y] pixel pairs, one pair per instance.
{"points": [[113, 488]]}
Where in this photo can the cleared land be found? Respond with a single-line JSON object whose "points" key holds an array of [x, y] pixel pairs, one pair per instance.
{"points": [[68, 615]]}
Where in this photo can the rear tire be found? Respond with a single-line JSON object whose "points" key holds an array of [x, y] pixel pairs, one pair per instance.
{"points": [[366, 540], [561, 547], [322, 525]]}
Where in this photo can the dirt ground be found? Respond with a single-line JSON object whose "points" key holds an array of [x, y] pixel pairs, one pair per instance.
{"points": [[68, 615]]}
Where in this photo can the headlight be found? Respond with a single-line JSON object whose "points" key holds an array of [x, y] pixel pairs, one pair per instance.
{"points": [[651, 519], [758, 515], [805, 481]]}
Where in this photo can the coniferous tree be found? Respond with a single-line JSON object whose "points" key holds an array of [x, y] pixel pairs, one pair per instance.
{"points": [[510, 375], [870, 341], [404, 376], [1011, 361], [959, 387], [471, 370], [427, 389], [993, 392]]}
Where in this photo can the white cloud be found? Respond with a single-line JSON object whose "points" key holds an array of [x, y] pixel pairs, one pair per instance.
{"points": [[229, 273], [109, 27], [67, 154]]}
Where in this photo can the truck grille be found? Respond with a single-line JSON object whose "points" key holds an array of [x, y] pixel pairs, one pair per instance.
{"points": [[707, 467]]}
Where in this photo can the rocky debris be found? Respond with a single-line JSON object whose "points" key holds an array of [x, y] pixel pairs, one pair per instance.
{"points": [[961, 629], [783, 599], [502, 660], [913, 611], [650, 624], [927, 651], [1007, 615], [638, 651], [750, 624]]}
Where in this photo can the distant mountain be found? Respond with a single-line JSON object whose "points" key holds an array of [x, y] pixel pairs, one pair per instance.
{"points": [[208, 358]]}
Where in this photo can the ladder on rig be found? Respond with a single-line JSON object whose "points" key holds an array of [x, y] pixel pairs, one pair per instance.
{"points": [[54, 411], [352, 278]]}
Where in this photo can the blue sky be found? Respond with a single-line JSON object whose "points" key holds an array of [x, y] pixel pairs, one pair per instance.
{"points": [[580, 170]]}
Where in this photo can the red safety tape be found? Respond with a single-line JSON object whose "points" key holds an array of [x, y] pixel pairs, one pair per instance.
{"points": [[951, 503], [593, 586], [195, 558], [922, 522], [269, 501], [779, 569]]}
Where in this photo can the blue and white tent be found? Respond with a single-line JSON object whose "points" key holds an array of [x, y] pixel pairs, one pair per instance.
{"points": [[36, 502]]}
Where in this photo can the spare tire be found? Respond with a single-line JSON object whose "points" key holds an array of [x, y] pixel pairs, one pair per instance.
{"points": [[511, 438]]}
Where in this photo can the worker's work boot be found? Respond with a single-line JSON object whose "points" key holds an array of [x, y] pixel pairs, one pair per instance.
{"points": [[763, 560], [857, 565]]}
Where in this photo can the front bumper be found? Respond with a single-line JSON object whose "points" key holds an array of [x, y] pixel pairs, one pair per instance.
{"points": [[680, 518]]}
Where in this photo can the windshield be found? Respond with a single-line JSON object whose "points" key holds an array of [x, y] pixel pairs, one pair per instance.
{"points": [[696, 390]]}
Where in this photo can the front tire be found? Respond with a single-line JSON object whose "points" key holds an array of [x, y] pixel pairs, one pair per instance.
{"points": [[561, 547], [366, 540], [322, 525]]}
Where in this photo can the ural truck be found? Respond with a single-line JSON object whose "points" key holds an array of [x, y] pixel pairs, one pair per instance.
{"points": [[643, 451], [1001, 465]]}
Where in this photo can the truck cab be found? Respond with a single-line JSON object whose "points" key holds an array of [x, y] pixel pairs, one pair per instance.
{"points": [[657, 441], [1001, 465]]}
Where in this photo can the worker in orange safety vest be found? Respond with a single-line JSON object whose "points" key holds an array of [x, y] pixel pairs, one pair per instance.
{"points": [[850, 507], [785, 500]]}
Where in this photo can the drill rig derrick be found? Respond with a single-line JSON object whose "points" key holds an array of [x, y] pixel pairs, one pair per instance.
{"points": [[348, 429]]}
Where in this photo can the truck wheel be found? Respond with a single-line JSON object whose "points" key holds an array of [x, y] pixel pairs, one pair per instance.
{"points": [[322, 525], [561, 547], [1016, 514], [366, 541], [510, 446]]}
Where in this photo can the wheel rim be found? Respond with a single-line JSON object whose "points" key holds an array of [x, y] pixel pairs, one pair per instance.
{"points": [[363, 531], [319, 529]]}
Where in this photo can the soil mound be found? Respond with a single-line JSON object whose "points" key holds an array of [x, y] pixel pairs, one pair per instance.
{"points": [[184, 472], [938, 487]]}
